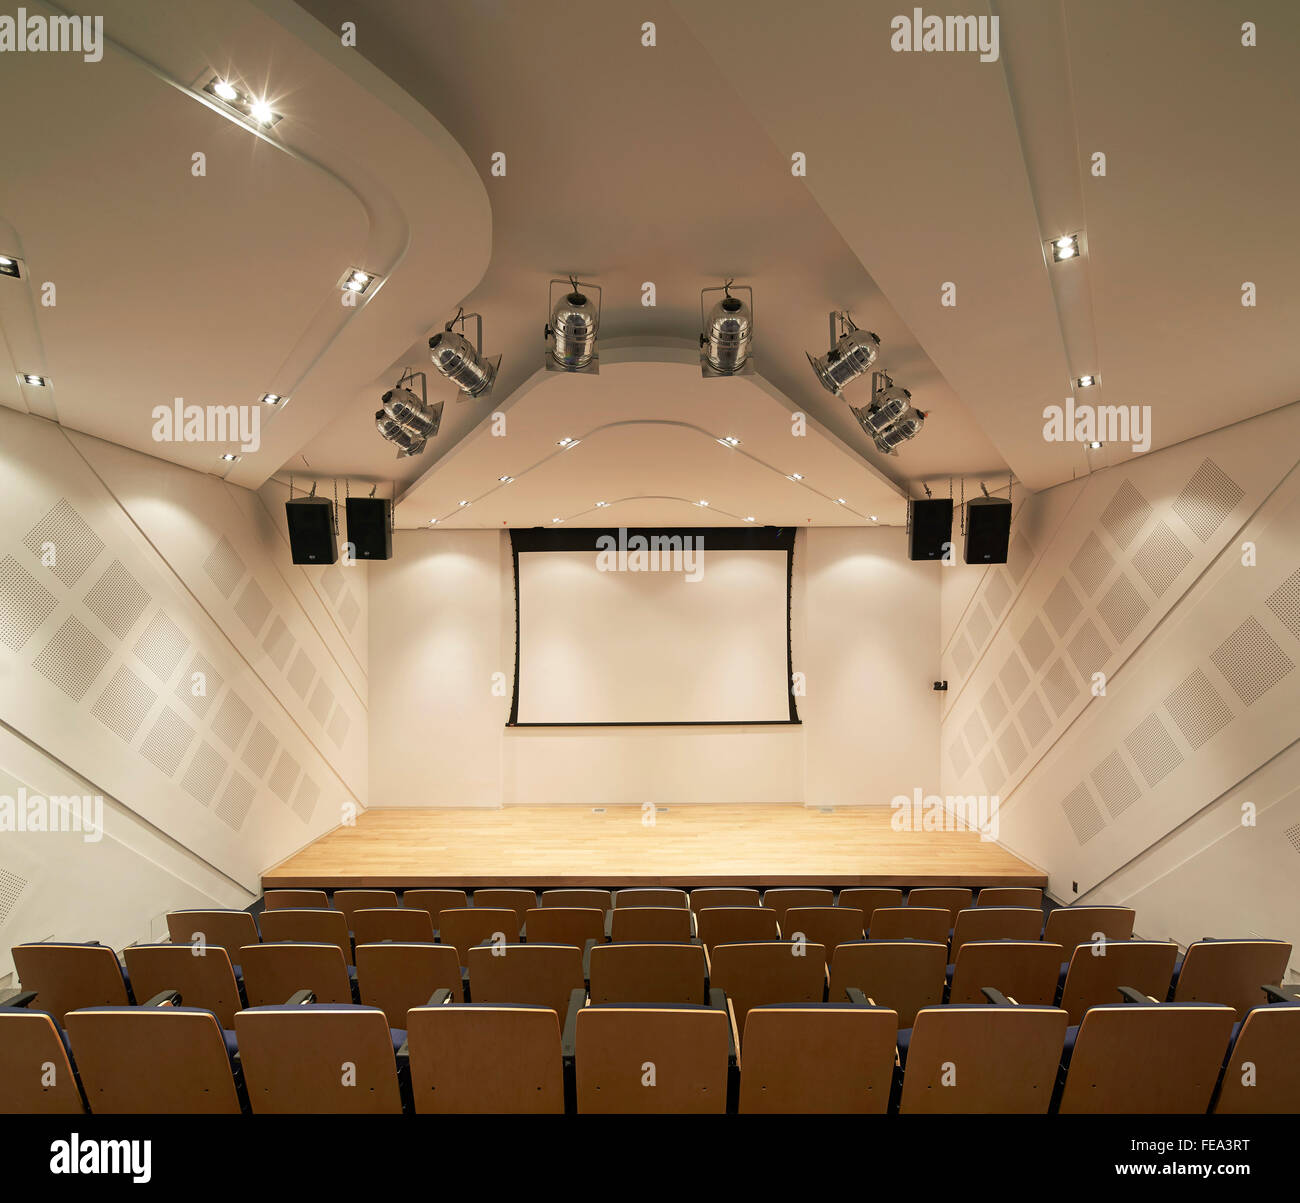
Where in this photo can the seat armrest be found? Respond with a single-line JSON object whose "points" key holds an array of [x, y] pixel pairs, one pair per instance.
{"points": [[996, 997], [569, 1039], [523, 932], [19, 998], [1279, 993], [440, 997], [586, 960], [856, 997], [1133, 995], [719, 1001], [300, 998], [609, 924], [165, 998]]}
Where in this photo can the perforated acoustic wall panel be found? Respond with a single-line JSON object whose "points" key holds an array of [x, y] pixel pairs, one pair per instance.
{"points": [[1159, 632], [134, 597]]}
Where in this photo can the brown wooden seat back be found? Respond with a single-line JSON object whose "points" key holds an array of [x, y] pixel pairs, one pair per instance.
{"points": [[396, 977], [206, 981], [639, 973]]}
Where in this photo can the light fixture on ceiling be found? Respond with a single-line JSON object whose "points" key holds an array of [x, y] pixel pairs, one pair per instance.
{"points": [[750, 518], [727, 333], [1065, 247], [795, 476], [230, 457], [567, 442], [271, 398], [873, 518], [506, 480], [571, 331], [703, 503], [462, 503], [10, 266], [357, 281], [461, 361], [406, 420], [36, 381], [852, 352], [1086, 381], [890, 418], [244, 103], [840, 501], [1094, 445], [729, 441], [433, 521], [600, 505], [557, 519]]}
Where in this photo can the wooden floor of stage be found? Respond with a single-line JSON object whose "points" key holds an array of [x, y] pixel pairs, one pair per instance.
{"points": [[699, 845]]}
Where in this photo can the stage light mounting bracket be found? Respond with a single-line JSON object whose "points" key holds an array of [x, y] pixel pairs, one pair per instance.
{"points": [[852, 353]]}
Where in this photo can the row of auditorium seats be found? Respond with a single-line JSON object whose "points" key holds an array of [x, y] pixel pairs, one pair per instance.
{"points": [[1141, 1056]]}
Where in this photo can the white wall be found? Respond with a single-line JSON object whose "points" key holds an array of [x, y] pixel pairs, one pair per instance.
{"points": [[442, 623], [1135, 795], [159, 573]]}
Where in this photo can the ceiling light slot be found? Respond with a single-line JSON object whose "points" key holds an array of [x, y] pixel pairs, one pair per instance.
{"points": [[253, 108]]}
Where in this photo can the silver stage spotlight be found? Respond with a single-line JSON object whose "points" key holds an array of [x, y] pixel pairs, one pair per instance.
{"points": [[571, 332], [889, 419], [461, 361], [407, 420], [727, 334], [852, 352]]}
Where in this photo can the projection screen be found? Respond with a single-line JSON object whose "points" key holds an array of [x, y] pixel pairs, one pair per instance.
{"points": [[652, 626]]}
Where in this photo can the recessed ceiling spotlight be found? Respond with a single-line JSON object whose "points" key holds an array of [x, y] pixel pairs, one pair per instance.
{"points": [[271, 398], [223, 89], [1085, 382], [230, 457], [750, 518], [9, 266], [873, 518], [729, 440], [356, 280], [433, 521], [464, 503], [1066, 247], [600, 505], [557, 519], [1094, 445], [702, 502], [795, 476], [255, 107], [506, 480], [840, 501], [38, 381]]}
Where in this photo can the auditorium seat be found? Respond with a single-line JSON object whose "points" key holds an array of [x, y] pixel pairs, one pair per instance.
{"points": [[565, 925], [1229, 971], [736, 924], [1070, 926], [464, 927], [757, 974], [1097, 971], [274, 972], [868, 899], [829, 926], [1262, 1074], [396, 977], [904, 975], [293, 1058], [650, 1059], [435, 901], [714, 896], [69, 976], [485, 1059], [351, 901], [308, 927], [409, 925], [1146, 1058], [997, 923], [36, 1075], [542, 975], [667, 973], [274, 900], [519, 901], [650, 897], [953, 899], [230, 930], [823, 1058], [206, 981], [911, 923], [781, 898], [647, 924], [154, 1060], [1000, 1059], [581, 899], [1027, 971], [1010, 896]]}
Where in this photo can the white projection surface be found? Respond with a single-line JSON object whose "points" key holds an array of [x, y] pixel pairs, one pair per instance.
{"points": [[704, 644]]}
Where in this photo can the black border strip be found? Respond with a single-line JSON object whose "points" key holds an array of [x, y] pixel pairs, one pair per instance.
{"points": [[721, 538]]}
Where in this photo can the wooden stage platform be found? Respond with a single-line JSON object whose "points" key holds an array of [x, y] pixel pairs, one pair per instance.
{"points": [[698, 845]]}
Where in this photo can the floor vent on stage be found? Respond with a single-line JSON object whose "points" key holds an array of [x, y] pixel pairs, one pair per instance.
{"points": [[826, 810], [663, 810], [598, 810]]}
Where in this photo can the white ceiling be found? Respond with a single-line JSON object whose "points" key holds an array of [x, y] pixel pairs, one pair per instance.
{"points": [[670, 165]]}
